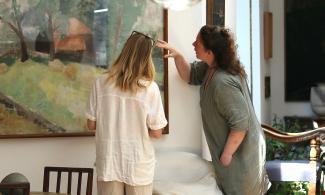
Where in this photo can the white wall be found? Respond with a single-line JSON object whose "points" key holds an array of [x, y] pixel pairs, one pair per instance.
{"points": [[258, 68], [244, 18], [184, 109], [277, 68], [265, 68], [29, 156]]}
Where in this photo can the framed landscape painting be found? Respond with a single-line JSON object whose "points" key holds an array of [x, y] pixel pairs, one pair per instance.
{"points": [[52, 50]]}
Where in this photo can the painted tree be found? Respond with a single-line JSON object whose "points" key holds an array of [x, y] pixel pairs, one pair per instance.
{"points": [[50, 10], [84, 11], [12, 15], [81, 9]]}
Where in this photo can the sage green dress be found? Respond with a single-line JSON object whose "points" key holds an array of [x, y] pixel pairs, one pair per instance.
{"points": [[226, 105]]}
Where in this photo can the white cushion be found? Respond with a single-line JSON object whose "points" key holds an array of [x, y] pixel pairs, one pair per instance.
{"points": [[294, 170], [183, 173]]}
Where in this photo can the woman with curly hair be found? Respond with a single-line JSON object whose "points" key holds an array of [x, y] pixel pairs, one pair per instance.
{"points": [[234, 135]]}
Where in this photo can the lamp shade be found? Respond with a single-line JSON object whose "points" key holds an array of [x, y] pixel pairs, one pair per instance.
{"points": [[13, 178], [176, 5]]}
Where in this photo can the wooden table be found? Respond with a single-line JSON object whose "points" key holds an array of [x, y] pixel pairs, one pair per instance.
{"points": [[46, 193]]}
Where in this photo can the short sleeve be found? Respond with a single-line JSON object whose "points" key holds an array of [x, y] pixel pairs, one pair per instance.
{"points": [[232, 104], [156, 116], [92, 104], [198, 71]]}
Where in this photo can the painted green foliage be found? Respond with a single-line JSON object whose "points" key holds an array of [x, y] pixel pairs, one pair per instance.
{"points": [[12, 13]]}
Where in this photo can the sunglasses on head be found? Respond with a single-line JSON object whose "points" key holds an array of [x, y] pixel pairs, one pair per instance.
{"points": [[153, 41]]}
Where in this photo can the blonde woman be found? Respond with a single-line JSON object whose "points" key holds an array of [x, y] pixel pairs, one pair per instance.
{"points": [[125, 109]]}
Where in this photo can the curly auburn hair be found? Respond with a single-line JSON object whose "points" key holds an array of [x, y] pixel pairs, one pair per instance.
{"points": [[220, 41]]}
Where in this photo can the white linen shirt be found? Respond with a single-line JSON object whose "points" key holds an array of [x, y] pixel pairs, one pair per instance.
{"points": [[124, 151]]}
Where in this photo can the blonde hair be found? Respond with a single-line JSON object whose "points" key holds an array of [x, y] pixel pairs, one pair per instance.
{"points": [[133, 64]]}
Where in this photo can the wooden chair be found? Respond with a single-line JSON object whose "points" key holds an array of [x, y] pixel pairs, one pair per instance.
{"points": [[12, 188], [279, 170], [69, 171]]}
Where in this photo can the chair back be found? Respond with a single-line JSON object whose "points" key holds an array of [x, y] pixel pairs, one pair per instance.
{"points": [[69, 171], [22, 188], [295, 170]]}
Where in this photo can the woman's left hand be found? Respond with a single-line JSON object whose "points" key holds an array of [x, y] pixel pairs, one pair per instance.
{"points": [[225, 159]]}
